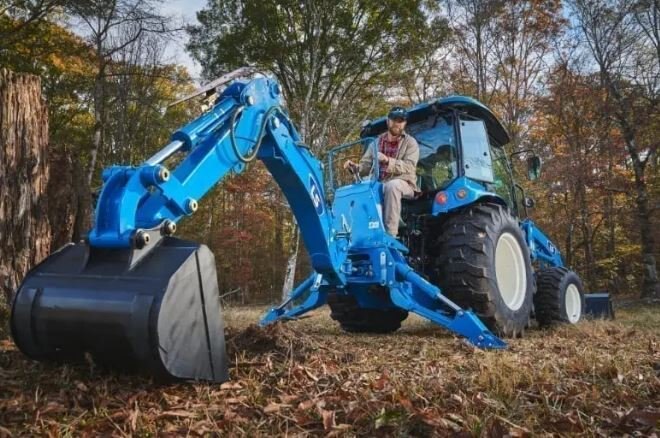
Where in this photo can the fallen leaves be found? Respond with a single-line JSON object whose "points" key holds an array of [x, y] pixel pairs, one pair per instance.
{"points": [[307, 377], [274, 407], [643, 420], [328, 419], [178, 414], [5, 433]]}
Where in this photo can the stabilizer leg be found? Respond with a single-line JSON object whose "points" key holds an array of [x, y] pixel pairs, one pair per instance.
{"points": [[316, 298], [462, 322]]}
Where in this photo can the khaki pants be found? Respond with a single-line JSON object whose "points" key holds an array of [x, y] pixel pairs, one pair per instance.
{"points": [[393, 191]]}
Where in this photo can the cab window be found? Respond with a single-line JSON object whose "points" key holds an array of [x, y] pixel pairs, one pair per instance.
{"points": [[503, 183], [477, 161], [437, 165]]}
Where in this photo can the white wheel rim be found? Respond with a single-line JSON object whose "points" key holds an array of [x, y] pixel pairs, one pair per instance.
{"points": [[573, 303], [510, 271]]}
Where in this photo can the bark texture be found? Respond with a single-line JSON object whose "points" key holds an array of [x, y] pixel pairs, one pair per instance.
{"points": [[25, 234], [68, 199]]}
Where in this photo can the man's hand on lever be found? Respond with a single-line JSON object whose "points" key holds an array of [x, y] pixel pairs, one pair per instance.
{"points": [[354, 169], [350, 165]]}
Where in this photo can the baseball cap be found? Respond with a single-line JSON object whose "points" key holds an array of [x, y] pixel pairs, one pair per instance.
{"points": [[398, 112]]}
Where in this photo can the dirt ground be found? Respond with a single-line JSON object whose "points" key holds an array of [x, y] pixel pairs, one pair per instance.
{"points": [[309, 378]]}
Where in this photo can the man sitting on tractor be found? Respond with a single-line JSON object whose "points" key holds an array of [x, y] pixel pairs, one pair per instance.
{"points": [[398, 153]]}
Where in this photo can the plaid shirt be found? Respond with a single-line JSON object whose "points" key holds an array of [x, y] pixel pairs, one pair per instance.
{"points": [[389, 148]]}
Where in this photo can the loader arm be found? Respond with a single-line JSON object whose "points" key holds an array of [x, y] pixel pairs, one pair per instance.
{"points": [[246, 122]]}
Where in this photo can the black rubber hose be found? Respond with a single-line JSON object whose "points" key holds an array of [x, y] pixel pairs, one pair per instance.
{"points": [[262, 131]]}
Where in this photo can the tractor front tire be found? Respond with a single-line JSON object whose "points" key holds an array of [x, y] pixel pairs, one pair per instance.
{"points": [[559, 298], [355, 319], [483, 263]]}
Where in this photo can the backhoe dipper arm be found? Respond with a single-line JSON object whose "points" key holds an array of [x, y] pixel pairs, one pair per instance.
{"points": [[246, 122]]}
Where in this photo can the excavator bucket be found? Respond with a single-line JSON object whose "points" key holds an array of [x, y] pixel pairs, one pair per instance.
{"points": [[155, 309]]}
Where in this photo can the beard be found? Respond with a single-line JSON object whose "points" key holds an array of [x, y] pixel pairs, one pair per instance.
{"points": [[395, 131]]}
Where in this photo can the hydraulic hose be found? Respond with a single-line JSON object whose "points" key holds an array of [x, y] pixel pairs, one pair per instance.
{"points": [[232, 134]]}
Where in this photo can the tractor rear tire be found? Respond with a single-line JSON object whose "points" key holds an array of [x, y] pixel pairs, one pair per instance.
{"points": [[482, 263], [559, 298], [355, 319]]}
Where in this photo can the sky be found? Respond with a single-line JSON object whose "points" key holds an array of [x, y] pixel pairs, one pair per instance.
{"points": [[184, 10]]}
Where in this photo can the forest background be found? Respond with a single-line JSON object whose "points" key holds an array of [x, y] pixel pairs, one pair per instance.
{"points": [[576, 82]]}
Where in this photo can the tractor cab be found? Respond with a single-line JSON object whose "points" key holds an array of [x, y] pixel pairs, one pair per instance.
{"points": [[461, 162], [457, 137], [460, 144]]}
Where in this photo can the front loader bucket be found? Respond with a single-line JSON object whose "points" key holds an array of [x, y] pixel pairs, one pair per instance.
{"points": [[156, 311], [598, 305]]}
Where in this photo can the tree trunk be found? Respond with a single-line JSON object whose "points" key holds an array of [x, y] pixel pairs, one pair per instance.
{"points": [[25, 234], [278, 253], [63, 202], [291, 262], [651, 283], [98, 128], [84, 205], [587, 233], [569, 231]]}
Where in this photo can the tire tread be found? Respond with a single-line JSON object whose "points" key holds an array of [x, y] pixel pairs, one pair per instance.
{"points": [[548, 298], [461, 267], [355, 319]]}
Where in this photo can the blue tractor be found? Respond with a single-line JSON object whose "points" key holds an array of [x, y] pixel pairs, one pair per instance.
{"points": [[468, 230], [134, 296]]}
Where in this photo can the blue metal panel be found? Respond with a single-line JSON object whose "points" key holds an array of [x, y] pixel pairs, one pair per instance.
{"points": [[357, 209], [299, 176], [473, 192], [315, 298], [540, 246], [598, 305]]}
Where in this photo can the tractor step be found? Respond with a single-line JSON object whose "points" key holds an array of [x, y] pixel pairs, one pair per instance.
{"points": [[157, 312]]}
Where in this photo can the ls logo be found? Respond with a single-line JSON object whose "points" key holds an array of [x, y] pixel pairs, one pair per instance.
{"points": [[315, 194]]}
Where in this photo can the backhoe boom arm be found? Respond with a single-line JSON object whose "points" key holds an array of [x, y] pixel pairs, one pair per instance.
{"points": [[246, 122]]}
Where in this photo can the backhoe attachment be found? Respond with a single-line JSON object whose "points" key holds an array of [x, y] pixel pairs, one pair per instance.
{"points": [[135, 297]]}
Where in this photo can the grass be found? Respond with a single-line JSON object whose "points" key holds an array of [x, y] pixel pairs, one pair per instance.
{"points": [[309, 378]]}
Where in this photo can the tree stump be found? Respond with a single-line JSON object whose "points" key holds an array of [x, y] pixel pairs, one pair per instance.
{"points": [[25, 233]]}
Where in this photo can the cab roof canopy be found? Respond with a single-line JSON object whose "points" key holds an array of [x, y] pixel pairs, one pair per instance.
{"points": [[467, 105]]}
